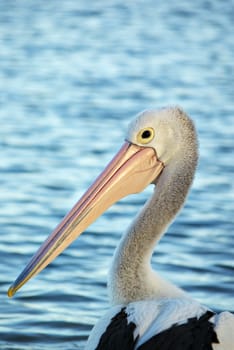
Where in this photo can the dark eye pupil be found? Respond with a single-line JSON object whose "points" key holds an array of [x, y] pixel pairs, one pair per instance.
{"points": [[146, 134]]}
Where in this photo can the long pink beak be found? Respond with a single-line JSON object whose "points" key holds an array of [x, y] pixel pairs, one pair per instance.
{"points": [[130, 171]]}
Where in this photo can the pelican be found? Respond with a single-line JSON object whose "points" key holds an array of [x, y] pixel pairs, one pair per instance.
{"points": [[147, 311]]}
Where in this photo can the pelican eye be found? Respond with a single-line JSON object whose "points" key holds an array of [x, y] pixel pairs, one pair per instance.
{"points": [[145, 135]]}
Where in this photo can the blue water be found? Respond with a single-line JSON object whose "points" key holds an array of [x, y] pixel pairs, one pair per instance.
{"points": [[72, 75]]}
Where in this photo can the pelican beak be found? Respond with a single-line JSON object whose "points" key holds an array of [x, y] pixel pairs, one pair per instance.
{"points": [[130, 171]]}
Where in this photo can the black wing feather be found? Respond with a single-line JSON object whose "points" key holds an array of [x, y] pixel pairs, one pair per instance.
{"points": [[196, 334], [119, 334]]}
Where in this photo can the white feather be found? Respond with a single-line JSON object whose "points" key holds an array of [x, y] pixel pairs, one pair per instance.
{"points": [[150, 317], [224, 328], [153, 317]]}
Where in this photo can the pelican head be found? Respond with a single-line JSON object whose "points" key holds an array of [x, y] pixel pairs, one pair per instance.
{"points": [[164, 130], [153, 139]]}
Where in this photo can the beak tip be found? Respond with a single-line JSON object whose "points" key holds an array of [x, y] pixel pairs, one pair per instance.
{"points": [[11, 292]]}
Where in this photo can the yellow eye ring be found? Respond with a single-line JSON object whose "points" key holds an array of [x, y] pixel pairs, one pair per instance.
{"points": [[145, 135]]}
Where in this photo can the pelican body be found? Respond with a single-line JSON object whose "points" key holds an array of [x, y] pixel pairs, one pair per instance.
{"points": [[147, 311]]}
